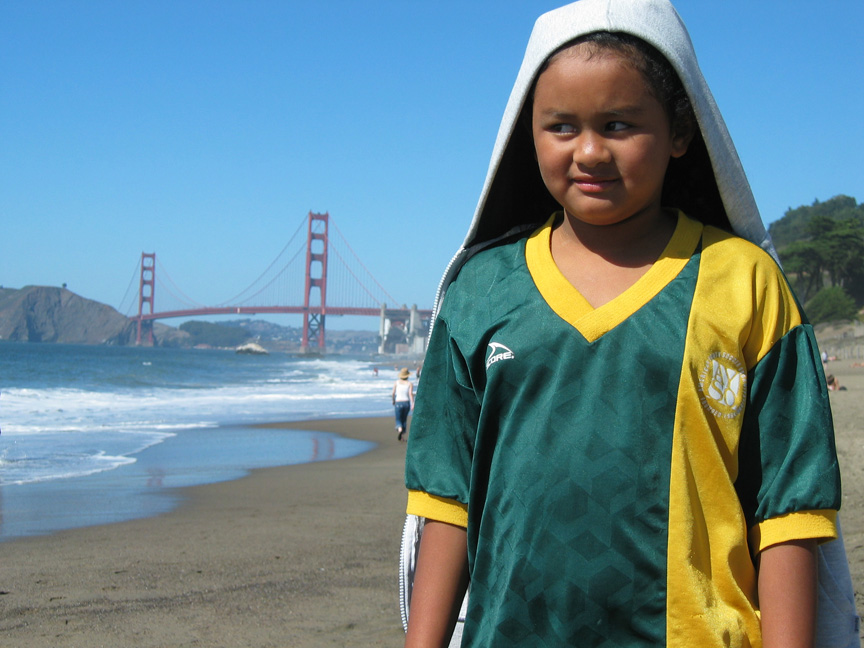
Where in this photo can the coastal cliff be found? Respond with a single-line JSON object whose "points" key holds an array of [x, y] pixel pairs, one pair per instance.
{"points": [[50, 314]]}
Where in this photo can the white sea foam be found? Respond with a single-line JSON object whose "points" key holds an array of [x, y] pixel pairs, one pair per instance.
{"points": [[51, 430]]}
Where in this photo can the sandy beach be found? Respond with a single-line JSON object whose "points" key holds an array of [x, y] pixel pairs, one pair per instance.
{"points": [[301, 556]]}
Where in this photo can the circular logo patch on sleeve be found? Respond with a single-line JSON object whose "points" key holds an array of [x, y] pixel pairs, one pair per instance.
{"points": [[723, 384]]}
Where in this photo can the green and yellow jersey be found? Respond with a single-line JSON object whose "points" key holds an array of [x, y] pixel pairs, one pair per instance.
{"points": [[618, 468]]}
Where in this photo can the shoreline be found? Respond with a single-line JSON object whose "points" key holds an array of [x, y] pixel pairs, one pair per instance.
{"points": [[150, 482], [303, 555]]}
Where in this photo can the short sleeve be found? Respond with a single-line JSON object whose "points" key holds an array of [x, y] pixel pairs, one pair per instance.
{"points": [[443, 429], [788, 481]]}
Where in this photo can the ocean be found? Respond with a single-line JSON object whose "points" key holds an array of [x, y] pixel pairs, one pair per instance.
{"points": [[99, 434]]}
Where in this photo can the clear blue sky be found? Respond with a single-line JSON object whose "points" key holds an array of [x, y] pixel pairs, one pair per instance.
{"points": [[205, 131]]}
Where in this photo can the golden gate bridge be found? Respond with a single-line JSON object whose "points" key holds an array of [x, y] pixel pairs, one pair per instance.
{"points": [[314, 278]]}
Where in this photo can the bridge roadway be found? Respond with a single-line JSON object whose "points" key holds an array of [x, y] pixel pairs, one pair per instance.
{"points": [[296, 310]]}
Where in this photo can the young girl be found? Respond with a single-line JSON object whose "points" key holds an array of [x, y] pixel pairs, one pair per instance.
{"points": [[623, 436]]}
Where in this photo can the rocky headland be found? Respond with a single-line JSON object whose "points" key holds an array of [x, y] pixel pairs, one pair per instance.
{"points": [[51, 314]]}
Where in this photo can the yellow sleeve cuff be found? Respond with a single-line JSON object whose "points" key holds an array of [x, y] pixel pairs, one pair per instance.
{"points": [[437, 508], [803, 525]]}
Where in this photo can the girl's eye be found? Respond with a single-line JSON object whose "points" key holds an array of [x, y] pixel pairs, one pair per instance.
{"points": [[616, 126], [562, 128]]}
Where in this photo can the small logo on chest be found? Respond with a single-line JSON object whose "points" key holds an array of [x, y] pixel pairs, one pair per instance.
{"points": [[723, 385], [497, 352]]}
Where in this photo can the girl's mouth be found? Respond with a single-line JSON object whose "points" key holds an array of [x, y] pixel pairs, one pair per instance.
{"points": [[593, 185]]}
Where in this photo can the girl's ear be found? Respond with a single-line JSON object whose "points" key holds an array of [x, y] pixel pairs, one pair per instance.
{"points": [[681, 141]]}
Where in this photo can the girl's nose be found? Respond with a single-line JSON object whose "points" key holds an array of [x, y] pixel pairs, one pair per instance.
{"points": [[590, 149]]}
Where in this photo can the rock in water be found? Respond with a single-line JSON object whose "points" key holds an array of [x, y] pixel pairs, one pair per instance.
{"points": [[252, 348]]}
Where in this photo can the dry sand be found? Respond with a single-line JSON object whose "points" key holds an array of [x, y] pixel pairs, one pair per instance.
{"points": [[302, 556]]}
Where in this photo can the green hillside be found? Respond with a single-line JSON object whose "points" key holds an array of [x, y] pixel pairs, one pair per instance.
{"points": [[821, 247]]}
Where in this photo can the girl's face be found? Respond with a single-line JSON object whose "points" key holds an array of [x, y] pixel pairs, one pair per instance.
{"points": [[603, 141]]}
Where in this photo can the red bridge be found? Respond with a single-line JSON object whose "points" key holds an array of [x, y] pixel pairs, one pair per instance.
{"points": [[281, 289]]}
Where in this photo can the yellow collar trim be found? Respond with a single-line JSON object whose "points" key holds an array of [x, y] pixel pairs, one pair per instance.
{"points": [[569, 304]]}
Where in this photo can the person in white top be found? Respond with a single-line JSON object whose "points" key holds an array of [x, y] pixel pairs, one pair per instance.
{"points": [[403, 401]]}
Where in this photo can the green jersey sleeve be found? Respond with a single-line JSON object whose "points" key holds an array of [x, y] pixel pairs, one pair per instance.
{"points": [[787, 458], [441, 443]]}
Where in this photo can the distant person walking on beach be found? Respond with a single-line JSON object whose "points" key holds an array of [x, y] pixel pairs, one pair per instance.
{"points": [[403, 401]]}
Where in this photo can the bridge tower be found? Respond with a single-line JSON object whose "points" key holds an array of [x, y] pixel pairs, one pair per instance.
{"points": [[146, 289], [316, 278]]}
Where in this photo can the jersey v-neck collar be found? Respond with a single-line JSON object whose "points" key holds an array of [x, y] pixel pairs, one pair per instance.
{"points": [[569, 304]]}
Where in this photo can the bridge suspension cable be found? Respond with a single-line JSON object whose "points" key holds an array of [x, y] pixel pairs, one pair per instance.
{"points": [[172, 284], [235, 299], [357, 279], [270, 283], [123, 308], [362, 265]]}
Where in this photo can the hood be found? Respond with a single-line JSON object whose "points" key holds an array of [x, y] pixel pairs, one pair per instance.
{"points": [[514, 196]]}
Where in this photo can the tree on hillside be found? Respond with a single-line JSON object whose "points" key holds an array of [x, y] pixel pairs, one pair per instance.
{"points": [[843, 248], [804, 262], [793, 226], [831, 246], [831, 304]]}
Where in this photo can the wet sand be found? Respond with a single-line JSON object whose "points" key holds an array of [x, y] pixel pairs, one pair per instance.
{"points": [[301, 556]]}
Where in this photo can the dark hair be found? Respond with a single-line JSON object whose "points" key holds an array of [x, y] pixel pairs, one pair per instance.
{"points": [[689, 184]]}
